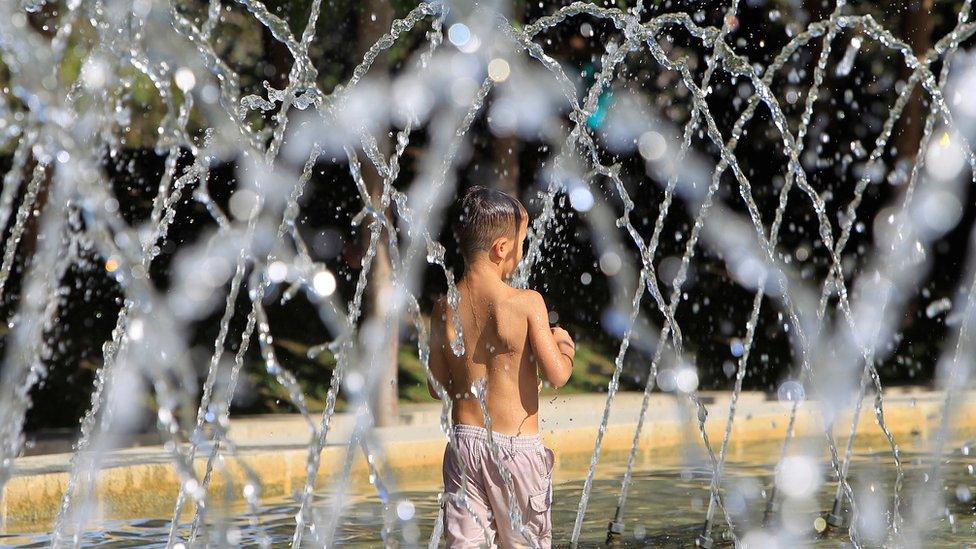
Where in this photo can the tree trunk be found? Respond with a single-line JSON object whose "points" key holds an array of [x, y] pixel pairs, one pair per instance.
{"points": [[375, 19], [506, 148], [917, 27]]}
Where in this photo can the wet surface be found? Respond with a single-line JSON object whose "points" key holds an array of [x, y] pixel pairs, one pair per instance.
{"points": [[665, 505]]}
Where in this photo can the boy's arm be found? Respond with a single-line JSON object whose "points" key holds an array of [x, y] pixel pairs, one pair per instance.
{"points": [[438, 346], [555, 365]]}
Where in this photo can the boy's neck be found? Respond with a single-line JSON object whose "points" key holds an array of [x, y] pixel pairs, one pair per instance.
{"points": [[482, 268]]}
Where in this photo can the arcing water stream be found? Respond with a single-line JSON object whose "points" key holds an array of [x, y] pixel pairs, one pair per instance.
{"points": [[60, 128]]}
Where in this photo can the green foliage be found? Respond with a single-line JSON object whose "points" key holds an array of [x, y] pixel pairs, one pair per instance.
{"points": [[313, 376], [592, 368], [412, 381]]}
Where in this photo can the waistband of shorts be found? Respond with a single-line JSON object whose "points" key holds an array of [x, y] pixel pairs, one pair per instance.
{"points": [[480, 433]]}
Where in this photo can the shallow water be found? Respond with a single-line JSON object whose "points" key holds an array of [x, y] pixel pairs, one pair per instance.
{"points": [[665, 507]]}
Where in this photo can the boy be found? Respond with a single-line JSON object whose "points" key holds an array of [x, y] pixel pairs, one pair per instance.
{"points": [[507, 340]]}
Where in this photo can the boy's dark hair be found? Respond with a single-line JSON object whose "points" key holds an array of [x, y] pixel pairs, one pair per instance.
{"points": [[486, 214]]}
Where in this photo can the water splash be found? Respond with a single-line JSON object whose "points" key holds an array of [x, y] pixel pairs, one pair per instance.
{"points": [[49, 148]]}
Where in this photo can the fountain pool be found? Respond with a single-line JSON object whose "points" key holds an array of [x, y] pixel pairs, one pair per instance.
{"points": [[665, 503]]}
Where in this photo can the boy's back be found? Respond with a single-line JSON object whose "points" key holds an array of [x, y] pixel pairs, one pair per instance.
{"points": [[495, 328]]}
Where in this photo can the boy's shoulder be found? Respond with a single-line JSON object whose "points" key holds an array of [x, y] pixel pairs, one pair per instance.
{"points": [[527, 301]]}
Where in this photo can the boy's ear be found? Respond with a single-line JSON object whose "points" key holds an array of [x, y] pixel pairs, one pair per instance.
{"points": [[500, 248]]}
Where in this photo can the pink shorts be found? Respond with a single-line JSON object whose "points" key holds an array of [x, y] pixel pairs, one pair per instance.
{"points": [[483, 514]]}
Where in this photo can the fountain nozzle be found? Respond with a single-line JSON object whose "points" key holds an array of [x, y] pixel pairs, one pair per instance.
{"points": [[705, 540], [614, 529], [835, 517]]}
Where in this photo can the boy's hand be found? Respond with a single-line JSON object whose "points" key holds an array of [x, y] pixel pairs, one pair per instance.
{"points": [[564, 342]]}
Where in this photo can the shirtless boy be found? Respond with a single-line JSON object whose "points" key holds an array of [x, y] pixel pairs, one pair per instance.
{"points": [[508, 343]]}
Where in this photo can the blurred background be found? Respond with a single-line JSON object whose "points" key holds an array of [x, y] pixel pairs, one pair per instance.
{"points": [[576, 273]]}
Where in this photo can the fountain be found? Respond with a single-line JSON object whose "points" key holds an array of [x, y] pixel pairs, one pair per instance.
{"points": [[61, 127]]}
